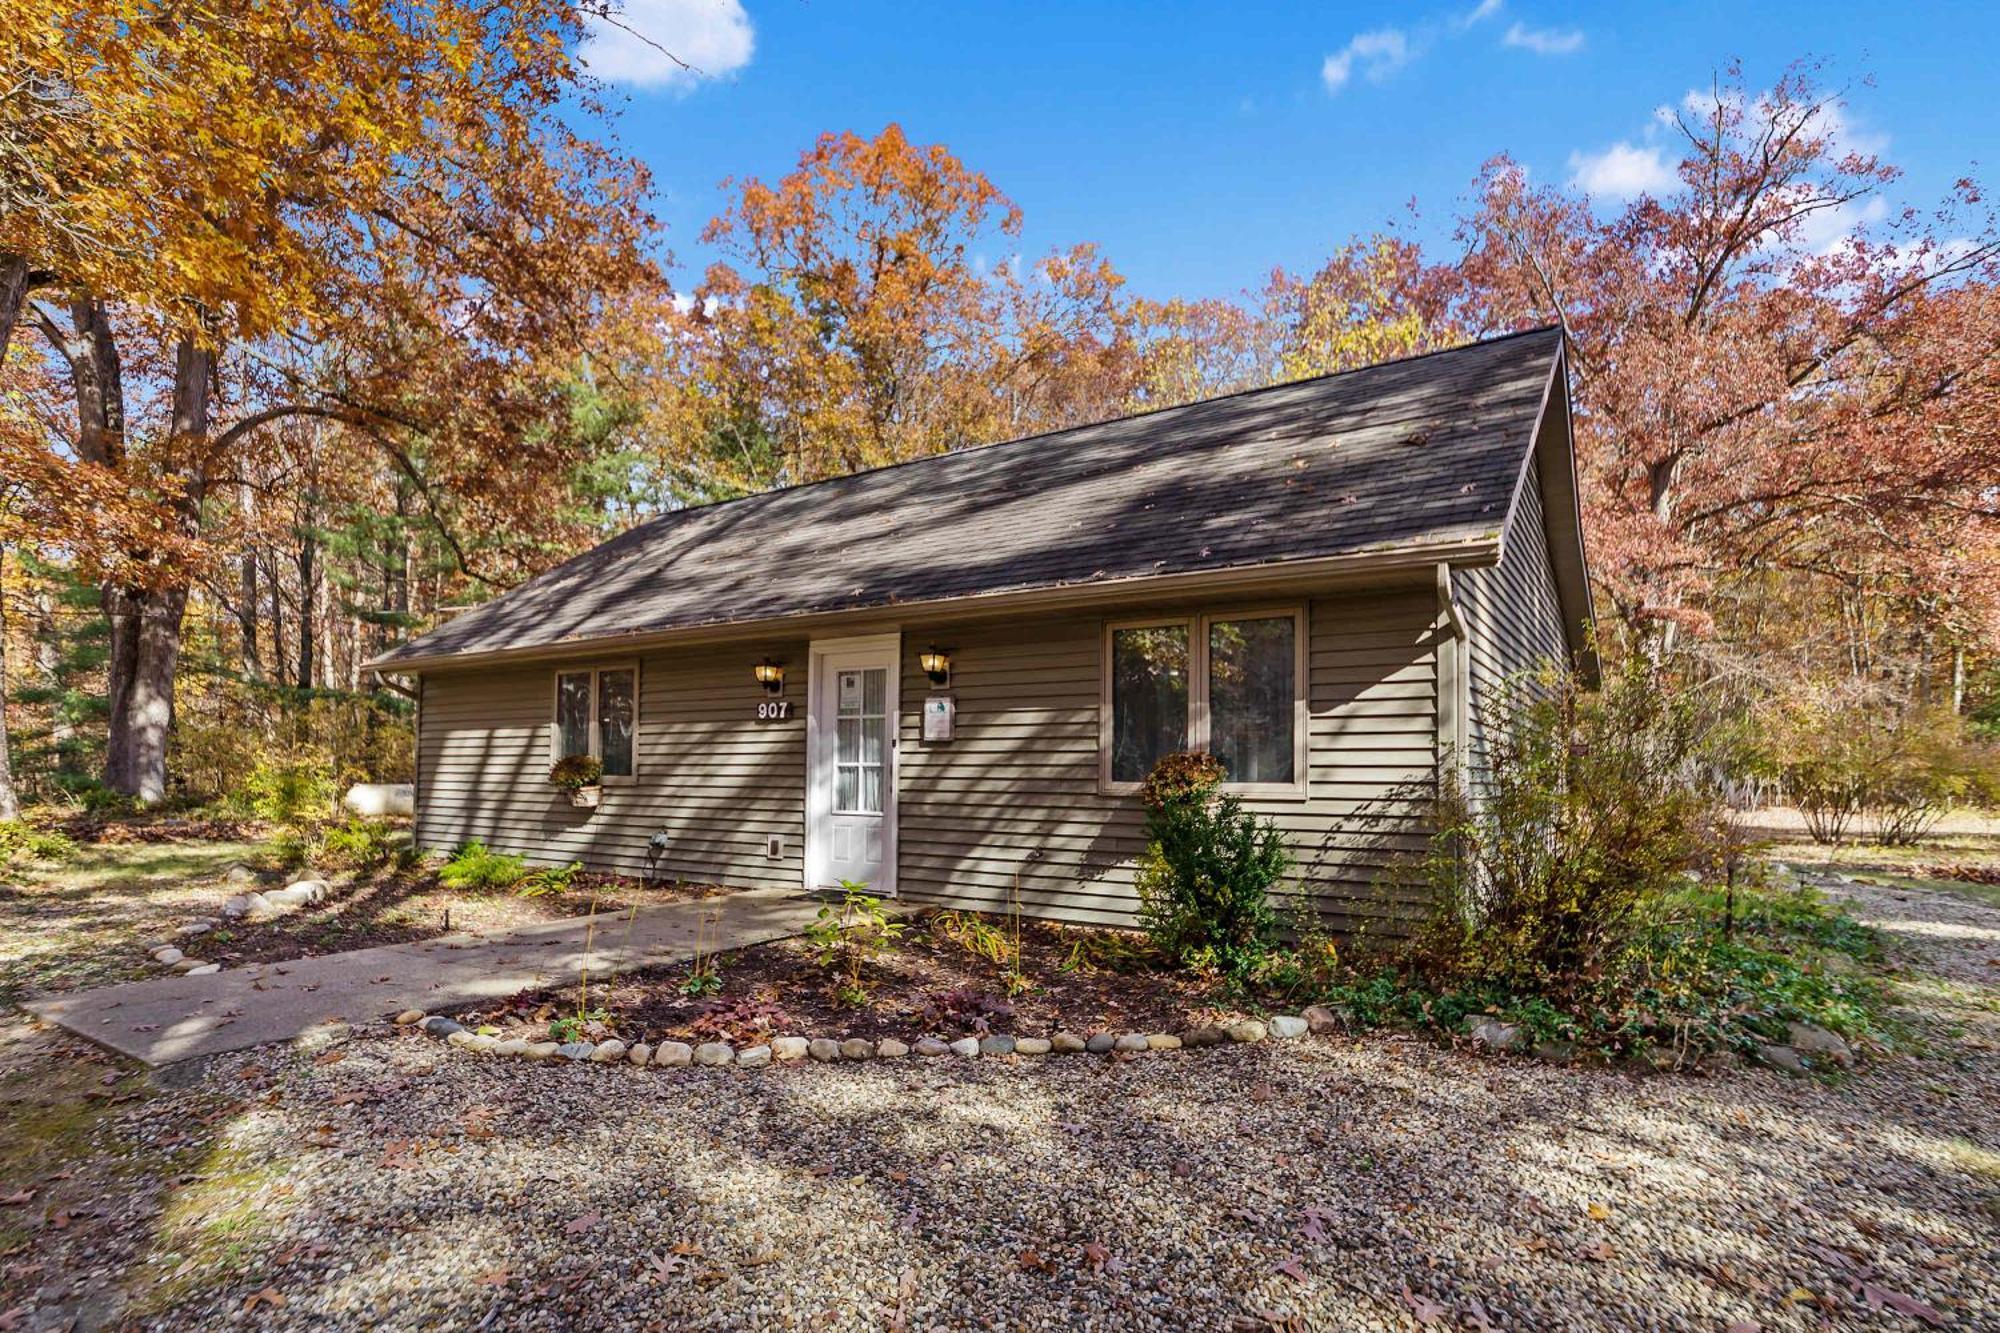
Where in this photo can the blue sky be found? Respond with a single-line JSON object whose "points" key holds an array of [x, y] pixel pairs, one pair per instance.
{"points": [[1201, 144]]}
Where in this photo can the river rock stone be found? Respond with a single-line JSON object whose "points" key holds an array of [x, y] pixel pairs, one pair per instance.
{"points": [[1248, 1029], [512, 1046], [440, 1026], [640, 1054], [168, 956], [857, 1048], [1066, 1043], [891, 1049], [204, 970], [823, 1048], [1032, 1046], [932, 1046], [1813, 1040], [245, 905], [966, 1046], [193, 928], [1208, 1035], [541, 1050], [754, 1057], [1130, 1041], [997, 1044], [577, 1050], [1496, 1035], [673, 1054], [1100, 1042], [789, 1048], [1321, 1020], [609, 1052], [239, 874], [186, 965], [1285, 1027], [1162, 1041], [714, 1053], [409, 1017], [1782, 1057]]}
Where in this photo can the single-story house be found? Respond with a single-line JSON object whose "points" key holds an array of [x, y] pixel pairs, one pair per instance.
{"points": [[946, 678]]}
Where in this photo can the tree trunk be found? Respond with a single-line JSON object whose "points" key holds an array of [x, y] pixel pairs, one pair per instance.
{"points": [[308, 649], [10, 807], [146, 621], [246, 598], [13, 293]]}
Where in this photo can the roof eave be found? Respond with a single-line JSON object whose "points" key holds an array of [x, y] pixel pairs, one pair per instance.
{"points": [[1417, 558]]}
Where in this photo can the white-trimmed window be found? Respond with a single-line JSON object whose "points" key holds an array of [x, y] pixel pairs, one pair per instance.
{"points": [[597, 713], [1232, 683]]}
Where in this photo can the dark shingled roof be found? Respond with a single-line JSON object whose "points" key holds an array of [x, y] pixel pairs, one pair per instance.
{"points": [[1416, 452]]}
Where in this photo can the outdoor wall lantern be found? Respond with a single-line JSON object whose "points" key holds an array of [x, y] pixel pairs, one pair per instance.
{"points": [[936, 665], [771, 675]]}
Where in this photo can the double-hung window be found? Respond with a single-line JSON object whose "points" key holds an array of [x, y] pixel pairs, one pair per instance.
{"points": [[1229, 683], [597, 712]]}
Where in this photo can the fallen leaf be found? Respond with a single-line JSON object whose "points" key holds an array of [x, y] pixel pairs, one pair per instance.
{"points": [[664, 1266], [1034, 1263], [1599, 1213], [1422, 1308], [1598, 1253], [270, 1296], [582, 1224], [1096, 1255], [499, 1277], [1745, 1326], [332, 1057], [1289, 1266], [1882, 1299], [18, 1197]]}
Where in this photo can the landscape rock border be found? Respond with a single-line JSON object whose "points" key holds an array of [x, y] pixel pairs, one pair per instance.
{"points": [[251, 906], [827, 1050]]}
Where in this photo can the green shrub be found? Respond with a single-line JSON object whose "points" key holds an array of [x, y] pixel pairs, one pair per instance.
{"points": [[293, 791], [1596, 804], [474, 869], [361, 844], [21, 841], [1206, 876]]}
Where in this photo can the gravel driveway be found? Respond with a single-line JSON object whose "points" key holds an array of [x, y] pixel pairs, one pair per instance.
{"points": [[1338, 1184]]}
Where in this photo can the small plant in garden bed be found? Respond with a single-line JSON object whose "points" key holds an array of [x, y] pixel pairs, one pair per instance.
{"points": [[474, 869], [551, 882], [585, 1024], [848, 936], [22, 841]]}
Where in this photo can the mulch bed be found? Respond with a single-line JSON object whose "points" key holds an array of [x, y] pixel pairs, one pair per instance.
{"points": [[1079, 980]]}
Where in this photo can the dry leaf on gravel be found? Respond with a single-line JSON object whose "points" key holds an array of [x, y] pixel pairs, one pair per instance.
{"points": [[1881, 1299], [1422, 1308], [18, 1197], [1034, 1263], [1289, 1266], [1096, 1256], [577, 1226], [270, 1296]]}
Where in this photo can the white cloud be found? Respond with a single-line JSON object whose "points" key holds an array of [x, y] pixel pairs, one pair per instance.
{"points": [[1486, 9], [1380, 54], [1622, 171], [708, 39], [1545, 41]]}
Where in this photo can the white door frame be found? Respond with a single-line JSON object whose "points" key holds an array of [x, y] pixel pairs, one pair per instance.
{"points": [[819, 774]]}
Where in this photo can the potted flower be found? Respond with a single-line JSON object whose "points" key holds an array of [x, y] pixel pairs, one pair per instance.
{"points": [[579, 774]]}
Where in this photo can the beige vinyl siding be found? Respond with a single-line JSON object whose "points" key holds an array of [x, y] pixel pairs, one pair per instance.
{"points": [[709, 773], [1514, 621], [1017, 790]]}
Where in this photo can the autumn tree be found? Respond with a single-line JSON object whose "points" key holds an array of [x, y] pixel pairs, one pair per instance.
{"points": [[374, 218], [870, 308], [1764, 379]]}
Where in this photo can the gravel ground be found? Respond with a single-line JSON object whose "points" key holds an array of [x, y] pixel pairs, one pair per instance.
{"points": [[1374, 1183]]}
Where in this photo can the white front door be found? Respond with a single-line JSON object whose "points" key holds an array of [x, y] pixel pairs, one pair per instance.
{"points": [[851, 819]]}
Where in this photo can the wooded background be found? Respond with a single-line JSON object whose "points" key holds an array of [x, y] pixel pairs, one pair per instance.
{"points": [[316, 325]]}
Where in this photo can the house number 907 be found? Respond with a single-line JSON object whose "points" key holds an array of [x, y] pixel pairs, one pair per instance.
{"points": [[774, 710]]}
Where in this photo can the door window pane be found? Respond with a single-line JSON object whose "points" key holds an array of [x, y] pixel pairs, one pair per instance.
{"points": [[1252, 670], [572, 714], [861, 740], [1149, 698], [616, 709]]}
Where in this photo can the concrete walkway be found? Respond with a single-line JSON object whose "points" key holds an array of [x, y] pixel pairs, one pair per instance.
{"points": [[181, 1018]]}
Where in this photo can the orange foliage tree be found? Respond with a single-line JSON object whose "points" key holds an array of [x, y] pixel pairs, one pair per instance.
{"points": [[376, 217]]}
